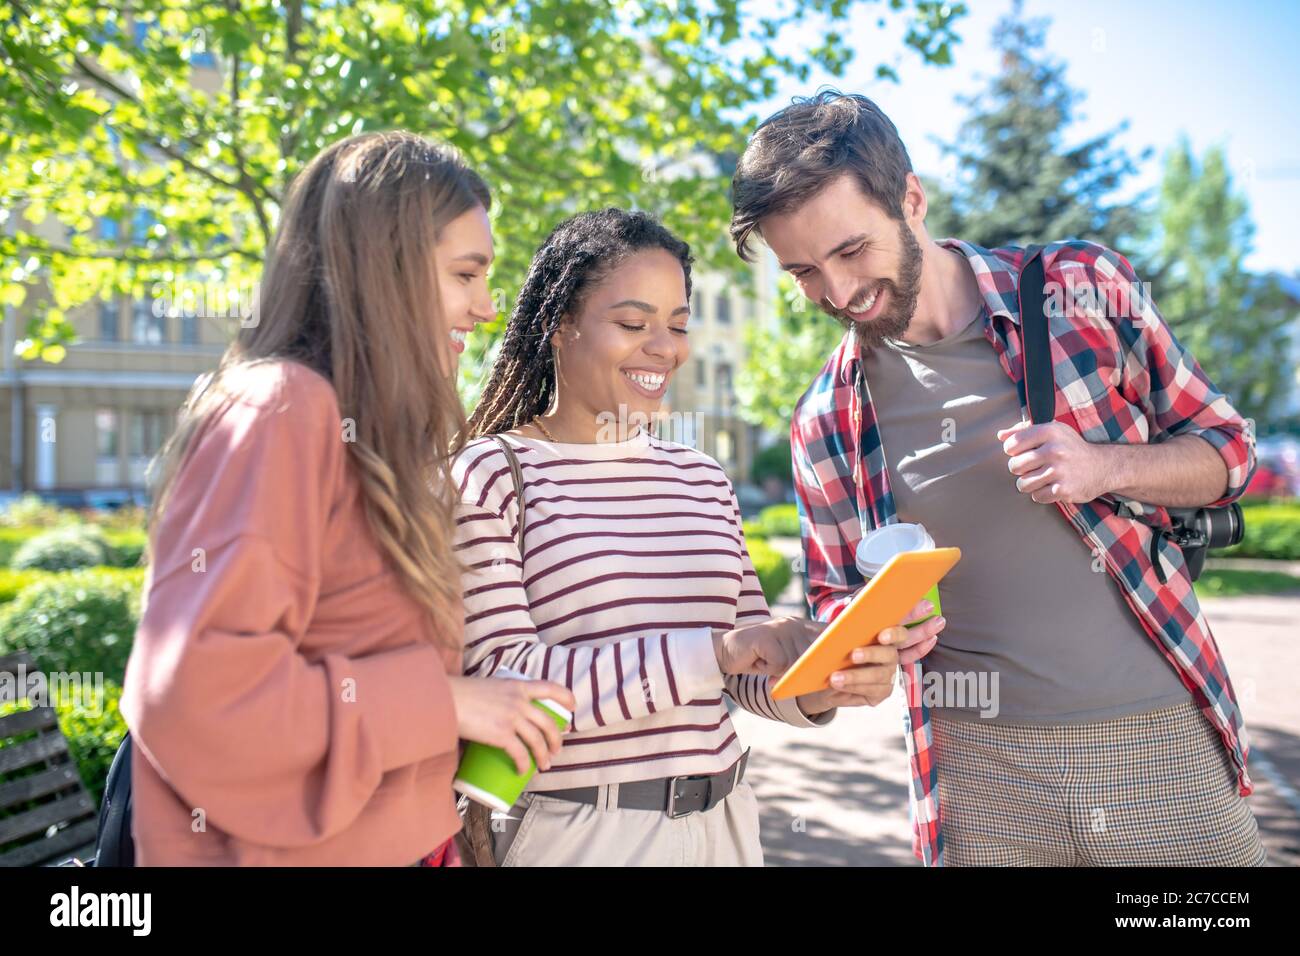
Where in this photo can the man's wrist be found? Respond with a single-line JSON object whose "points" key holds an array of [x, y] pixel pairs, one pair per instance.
{"points": [[1114, 468]]}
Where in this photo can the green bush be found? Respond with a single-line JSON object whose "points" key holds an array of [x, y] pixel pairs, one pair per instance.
{"points": [[126, 518], [64, 549], [128, 546], [33, 511], [12, 582], [1229, 582], [11, 539], [77, 621], [1272, 531], [779, 521], [773, 462], [94, 733], [772, 568]]}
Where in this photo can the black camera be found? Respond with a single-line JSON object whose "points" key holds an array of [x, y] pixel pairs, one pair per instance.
{"points": [[1196, 530]]}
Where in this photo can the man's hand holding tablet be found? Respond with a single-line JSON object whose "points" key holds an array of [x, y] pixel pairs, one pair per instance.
{"points": [[861, 638], [872, 679]]}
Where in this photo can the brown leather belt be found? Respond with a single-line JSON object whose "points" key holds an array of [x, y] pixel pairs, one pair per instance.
{"points": [[675, 796]]}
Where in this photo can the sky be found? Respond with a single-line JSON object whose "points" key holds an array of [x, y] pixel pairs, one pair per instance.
{"points": [[1221, 73]]}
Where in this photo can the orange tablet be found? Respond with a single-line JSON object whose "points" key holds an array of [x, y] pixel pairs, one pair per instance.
{"points": [[884, 602]]}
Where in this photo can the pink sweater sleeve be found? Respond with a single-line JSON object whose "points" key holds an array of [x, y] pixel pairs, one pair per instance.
{"points": [[273, 746]]}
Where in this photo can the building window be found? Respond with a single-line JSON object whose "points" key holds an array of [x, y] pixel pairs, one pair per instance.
{"points": [[148, 427], [108, 469], [701, 373], [147, 432], [724, 308], [724, 385], [108, 320], [147, 328]]}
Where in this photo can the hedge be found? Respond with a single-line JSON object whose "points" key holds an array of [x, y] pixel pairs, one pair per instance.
{"points": [[75, 621], [127, 544], [1272, 531], [778, 521], [63, 549], [772, 568]]}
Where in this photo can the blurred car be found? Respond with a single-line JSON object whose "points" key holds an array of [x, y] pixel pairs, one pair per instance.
{"points": [[1280, 454]]}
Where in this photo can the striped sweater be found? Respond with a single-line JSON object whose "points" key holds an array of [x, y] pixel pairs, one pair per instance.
{"points": [[633, 557]]}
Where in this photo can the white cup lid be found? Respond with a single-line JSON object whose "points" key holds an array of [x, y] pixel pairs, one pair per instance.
{"points": [[875, 550]]}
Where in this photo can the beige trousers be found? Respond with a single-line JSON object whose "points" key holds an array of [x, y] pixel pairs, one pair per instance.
{"points": [[545, 831], [1155, 788]]}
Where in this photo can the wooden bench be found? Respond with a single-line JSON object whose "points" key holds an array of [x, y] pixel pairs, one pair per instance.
{"points": [[47, 817]]}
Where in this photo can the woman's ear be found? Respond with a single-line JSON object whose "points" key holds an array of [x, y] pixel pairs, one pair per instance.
{"points": [[565, 330]]}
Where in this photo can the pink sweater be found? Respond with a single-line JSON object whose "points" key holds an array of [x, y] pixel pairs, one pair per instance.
{"points": [[286, 700]]}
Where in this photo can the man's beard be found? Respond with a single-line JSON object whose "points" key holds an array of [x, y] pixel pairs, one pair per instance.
{"points": [[894, 321]]}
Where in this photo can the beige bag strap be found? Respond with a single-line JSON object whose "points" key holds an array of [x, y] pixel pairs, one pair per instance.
{"points": [[475, 837], [516, 473]]}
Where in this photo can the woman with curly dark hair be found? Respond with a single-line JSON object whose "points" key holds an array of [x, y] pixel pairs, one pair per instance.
{"points": [[632, 586]]}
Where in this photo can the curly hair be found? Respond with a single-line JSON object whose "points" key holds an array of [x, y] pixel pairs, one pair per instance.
{"points": [[578, 255]]}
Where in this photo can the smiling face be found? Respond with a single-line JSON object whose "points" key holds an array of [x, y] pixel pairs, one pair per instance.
{"points": [[847, 255], [464, 252], [626, 341]]}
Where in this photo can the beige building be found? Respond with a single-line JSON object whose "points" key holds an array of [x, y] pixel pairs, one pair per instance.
{"points": [[87, 427], [701, 404]]}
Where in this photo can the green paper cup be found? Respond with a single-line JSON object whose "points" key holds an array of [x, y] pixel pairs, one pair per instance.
{"points": [[487, 775], [879, 546]]}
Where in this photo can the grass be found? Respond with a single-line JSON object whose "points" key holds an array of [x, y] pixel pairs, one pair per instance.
{"points": [[1218, 582]]}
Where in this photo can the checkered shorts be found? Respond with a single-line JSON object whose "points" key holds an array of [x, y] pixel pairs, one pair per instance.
{"points": [[1148, 789]]}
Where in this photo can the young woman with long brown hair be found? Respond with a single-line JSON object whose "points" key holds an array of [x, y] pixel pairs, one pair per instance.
{"points": [[294, 692]]}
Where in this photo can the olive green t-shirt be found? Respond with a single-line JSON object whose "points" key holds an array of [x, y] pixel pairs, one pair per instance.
{"points": [[1037, 631]]}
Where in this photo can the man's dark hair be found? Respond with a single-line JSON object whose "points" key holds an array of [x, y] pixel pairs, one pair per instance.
{"points": [[578, 255], [799, 150]]}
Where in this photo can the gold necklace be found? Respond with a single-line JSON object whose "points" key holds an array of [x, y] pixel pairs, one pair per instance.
{"points": [[547, 432], [544, 430]]}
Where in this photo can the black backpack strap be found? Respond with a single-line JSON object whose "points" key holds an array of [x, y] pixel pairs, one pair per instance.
{"points": [[114, 844], [1040, 388]]}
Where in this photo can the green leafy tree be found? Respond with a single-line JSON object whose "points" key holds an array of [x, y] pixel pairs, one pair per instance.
{"points": [[180, 122], [1017, 179], [781, 360], [1236, 323]]}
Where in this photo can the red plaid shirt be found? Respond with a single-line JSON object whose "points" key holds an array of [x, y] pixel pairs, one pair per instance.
{"points": [[1121, 376]]}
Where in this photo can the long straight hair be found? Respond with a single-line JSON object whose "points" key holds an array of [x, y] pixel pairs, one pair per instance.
{"points": [[349, 289]]}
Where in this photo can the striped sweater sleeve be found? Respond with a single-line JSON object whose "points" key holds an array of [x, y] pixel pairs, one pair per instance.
{"points": [[612, 683], [753, 691]]}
